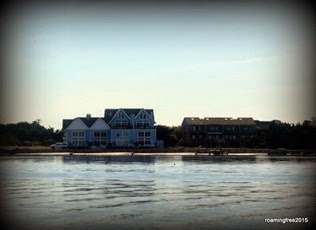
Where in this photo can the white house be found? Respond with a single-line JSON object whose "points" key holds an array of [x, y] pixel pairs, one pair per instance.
{"points": [[118, 128]]}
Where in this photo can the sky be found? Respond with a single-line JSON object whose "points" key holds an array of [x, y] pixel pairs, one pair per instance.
{"points": [[210, 60]]}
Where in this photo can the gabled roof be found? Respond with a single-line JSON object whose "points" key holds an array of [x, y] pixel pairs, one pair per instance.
{"points": [[116, 113], [109, 113], [77, 123], [100, 124], [149, 112], [108, 116], [87, 121], [219, 121], [66, 123]]}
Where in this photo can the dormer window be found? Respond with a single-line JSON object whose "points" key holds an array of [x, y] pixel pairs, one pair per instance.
{"points": [[121, 116], [143, 116]]}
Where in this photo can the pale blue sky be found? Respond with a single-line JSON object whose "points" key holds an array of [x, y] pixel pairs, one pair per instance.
{"points": [[67, 61]]}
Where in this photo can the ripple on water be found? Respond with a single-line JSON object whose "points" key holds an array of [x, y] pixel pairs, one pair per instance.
{"points": [[195, 192]]}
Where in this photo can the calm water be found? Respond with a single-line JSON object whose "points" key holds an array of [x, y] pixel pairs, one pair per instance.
{"points": [[130, 192]]}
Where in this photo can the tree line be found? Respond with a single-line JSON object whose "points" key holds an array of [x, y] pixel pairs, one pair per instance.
{"points": [[281, 135], [28, 134], [285, 135]]}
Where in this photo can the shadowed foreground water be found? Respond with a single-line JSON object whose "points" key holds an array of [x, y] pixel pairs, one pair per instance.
{"points": [[134, 192]]}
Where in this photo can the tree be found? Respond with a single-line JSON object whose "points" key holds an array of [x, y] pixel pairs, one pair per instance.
{"points": [[24, 132], [171, 136], [261, 139]]}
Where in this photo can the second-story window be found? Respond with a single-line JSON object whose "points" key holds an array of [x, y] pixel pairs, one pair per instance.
{"points": [[142, 124], [143, 116]]}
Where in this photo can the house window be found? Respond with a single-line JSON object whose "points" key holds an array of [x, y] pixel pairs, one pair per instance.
{"points": [[142, 124], [121, 124], [99, 138], [99, 134], [78, 138], [122, 138], [144, 138], [78, 134]]}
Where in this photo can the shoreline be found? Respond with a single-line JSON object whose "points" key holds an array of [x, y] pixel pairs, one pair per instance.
{"points": [[148, 154], [176, 151]]}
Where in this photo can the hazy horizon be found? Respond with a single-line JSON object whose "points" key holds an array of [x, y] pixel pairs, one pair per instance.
{"points": [[210, 60]]}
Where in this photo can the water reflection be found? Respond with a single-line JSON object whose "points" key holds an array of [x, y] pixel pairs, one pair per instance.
{"points": [[220, 159], [186, 192], [176, 159], [106, 194], [109, 159]]}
